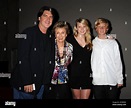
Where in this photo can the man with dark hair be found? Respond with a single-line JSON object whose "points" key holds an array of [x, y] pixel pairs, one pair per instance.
{"points": [[34, 58]]}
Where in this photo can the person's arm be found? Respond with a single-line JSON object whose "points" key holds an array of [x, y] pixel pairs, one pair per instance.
{"points": [[24, 46], [118, 63]]}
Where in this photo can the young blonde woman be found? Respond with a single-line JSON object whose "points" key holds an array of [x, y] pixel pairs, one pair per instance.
{"points": [[80, 68]]}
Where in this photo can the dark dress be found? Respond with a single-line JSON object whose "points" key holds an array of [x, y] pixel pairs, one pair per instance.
{"points": [[80, 68]]}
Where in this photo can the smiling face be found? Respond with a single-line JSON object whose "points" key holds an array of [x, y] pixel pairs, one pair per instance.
{"points": [[102, 29], [46, 19], [60, 34], [81, 28]]}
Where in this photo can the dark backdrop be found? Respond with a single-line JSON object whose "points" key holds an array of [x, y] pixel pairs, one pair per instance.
{"points": [[15, 15]]}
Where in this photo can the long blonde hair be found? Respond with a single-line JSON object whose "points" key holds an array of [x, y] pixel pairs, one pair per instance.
{"points": [[88, 33]]}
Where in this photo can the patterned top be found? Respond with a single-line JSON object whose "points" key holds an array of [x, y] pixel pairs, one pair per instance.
{"points": [[60, 74]]}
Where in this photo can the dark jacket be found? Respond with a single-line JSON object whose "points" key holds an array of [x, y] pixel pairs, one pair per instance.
{"points": [[35, 59]]}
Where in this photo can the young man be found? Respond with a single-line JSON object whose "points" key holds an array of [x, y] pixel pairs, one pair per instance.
{"points": [[106, 63]]}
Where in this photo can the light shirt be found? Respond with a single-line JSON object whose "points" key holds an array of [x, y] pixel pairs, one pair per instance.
{"points": [[60, 74], [106, 62]]}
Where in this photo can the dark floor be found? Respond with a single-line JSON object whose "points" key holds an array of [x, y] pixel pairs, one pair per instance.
{"points": [[5, 89]]}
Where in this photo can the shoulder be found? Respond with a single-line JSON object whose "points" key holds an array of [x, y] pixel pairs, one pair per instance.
{"points": [[113, 41], [68, 44], [30, 29], [29, 32], [95, 39]]}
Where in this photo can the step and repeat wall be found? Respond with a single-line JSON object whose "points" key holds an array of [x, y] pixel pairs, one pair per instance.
{"points": [[23, 13], [117, 11]]}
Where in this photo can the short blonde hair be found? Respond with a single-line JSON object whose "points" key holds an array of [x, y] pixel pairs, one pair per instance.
{"points": [[101, 20], [61, 24]]}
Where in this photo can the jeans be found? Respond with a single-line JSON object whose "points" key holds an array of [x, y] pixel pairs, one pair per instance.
{"points": [[23, 95]]}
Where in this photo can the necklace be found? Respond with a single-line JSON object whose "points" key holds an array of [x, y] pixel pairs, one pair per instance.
{"points": [[61, 55]]}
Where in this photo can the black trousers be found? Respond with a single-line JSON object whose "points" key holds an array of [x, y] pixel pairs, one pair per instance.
{"points": [[58, 91], [105, 92]]}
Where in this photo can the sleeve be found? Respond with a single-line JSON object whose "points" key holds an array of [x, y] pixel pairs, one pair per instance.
{"points": [[118, 63], [24, 46]]}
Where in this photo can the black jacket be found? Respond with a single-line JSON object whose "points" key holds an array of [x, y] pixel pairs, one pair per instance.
{"points": [[35, 59]]}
